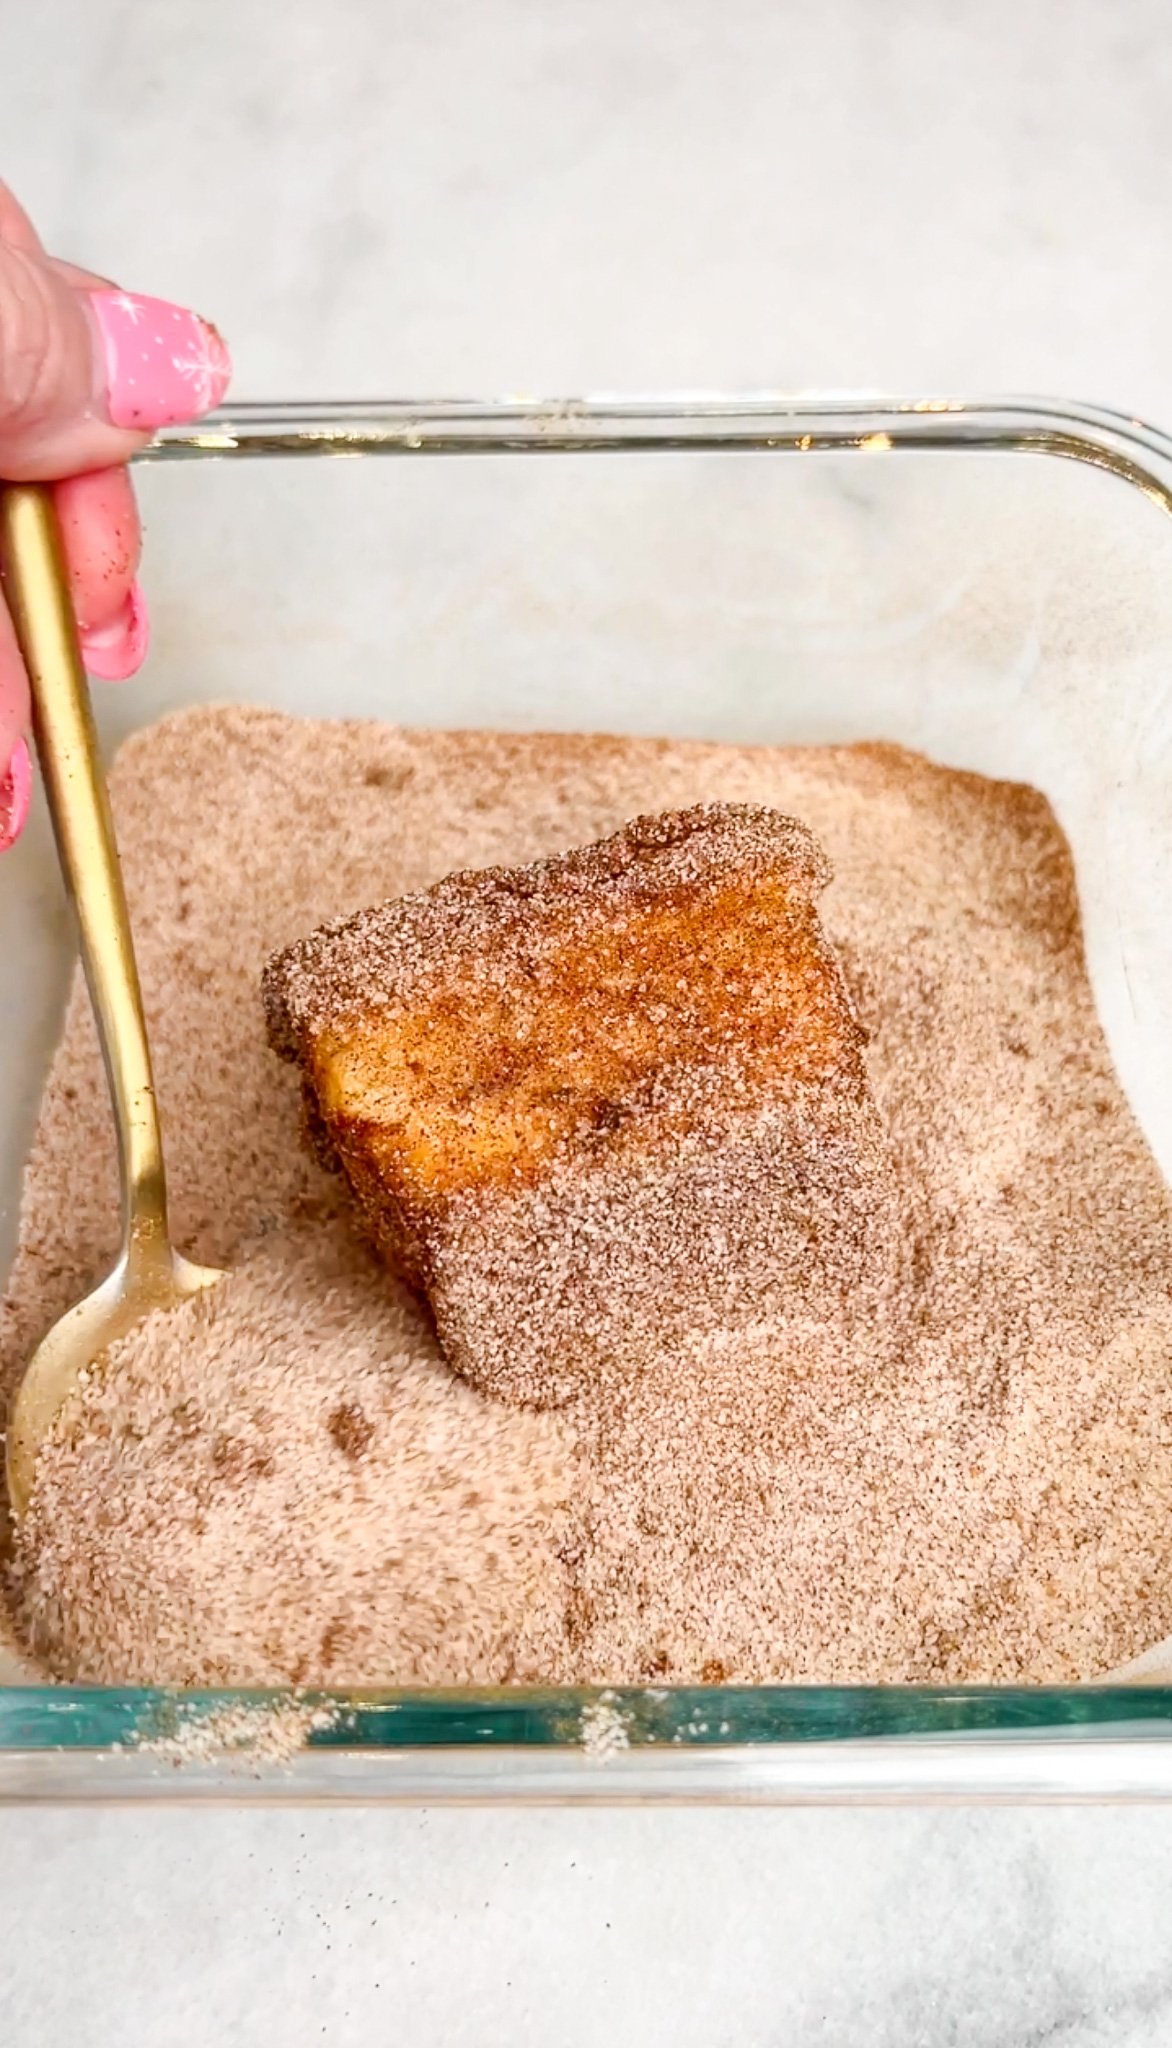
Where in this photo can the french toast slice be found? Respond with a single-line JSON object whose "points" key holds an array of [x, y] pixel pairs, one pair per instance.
{"points": [[589, 1105]]}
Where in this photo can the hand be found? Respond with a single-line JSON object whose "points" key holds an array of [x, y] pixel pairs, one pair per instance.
{"points": [[87, 373]]}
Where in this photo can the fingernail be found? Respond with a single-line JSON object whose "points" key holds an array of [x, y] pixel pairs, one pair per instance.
{"points": [[162, 363], [114, 651], [16, 788]]}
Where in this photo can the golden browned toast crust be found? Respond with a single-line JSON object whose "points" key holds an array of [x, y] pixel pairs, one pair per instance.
{"points": [[584, 1103]]}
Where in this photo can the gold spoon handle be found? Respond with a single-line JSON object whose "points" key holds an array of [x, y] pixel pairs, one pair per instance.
{"points": [[37, 591]]}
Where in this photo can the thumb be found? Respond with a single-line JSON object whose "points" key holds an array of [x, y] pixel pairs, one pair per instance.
{"points": [[86, 376]]}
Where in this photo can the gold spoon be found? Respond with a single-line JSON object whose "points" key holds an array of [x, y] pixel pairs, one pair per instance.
{"points": [[148, 1273]]}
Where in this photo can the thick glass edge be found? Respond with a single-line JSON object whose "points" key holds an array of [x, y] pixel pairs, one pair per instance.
{"points": [[798, 423], [1043, 1728], [758, 1745], [971, 1771]]}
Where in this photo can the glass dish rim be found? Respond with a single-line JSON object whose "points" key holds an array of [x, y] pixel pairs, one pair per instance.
{"points": [[656, 1742]]}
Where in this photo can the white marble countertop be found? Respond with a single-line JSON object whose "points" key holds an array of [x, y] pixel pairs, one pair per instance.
{"points": [[388, 197]]}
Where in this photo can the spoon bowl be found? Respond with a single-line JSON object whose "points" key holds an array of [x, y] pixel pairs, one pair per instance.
{"points": [[148, 1274], [78, 1340]]}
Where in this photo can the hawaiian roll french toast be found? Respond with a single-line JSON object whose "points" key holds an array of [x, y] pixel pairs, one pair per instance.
{"points": [[588, 1106]]}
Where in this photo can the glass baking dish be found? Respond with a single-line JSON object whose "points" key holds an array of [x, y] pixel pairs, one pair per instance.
{"points": [[1003, 614]]}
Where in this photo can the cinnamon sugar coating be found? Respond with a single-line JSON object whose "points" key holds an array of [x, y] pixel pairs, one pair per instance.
{"points": [[594, 1104]]}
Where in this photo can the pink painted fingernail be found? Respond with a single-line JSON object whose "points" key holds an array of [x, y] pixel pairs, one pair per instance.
{"points": [[116, 650], [16, 789], [162, 363]]}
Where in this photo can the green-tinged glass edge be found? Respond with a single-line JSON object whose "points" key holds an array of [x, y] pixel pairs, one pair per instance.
{"points": [[36, 1718]]}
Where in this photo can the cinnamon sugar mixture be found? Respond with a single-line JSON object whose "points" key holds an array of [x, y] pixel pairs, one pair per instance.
{"points": [[284, 1481]]}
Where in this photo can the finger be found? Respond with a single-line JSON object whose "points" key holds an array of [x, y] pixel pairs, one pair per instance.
{"points": [[103, 541], [15, 226], [15, 769], [81, 280], [18, 231], [85, 376], [54, 418], [16, 791]]}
